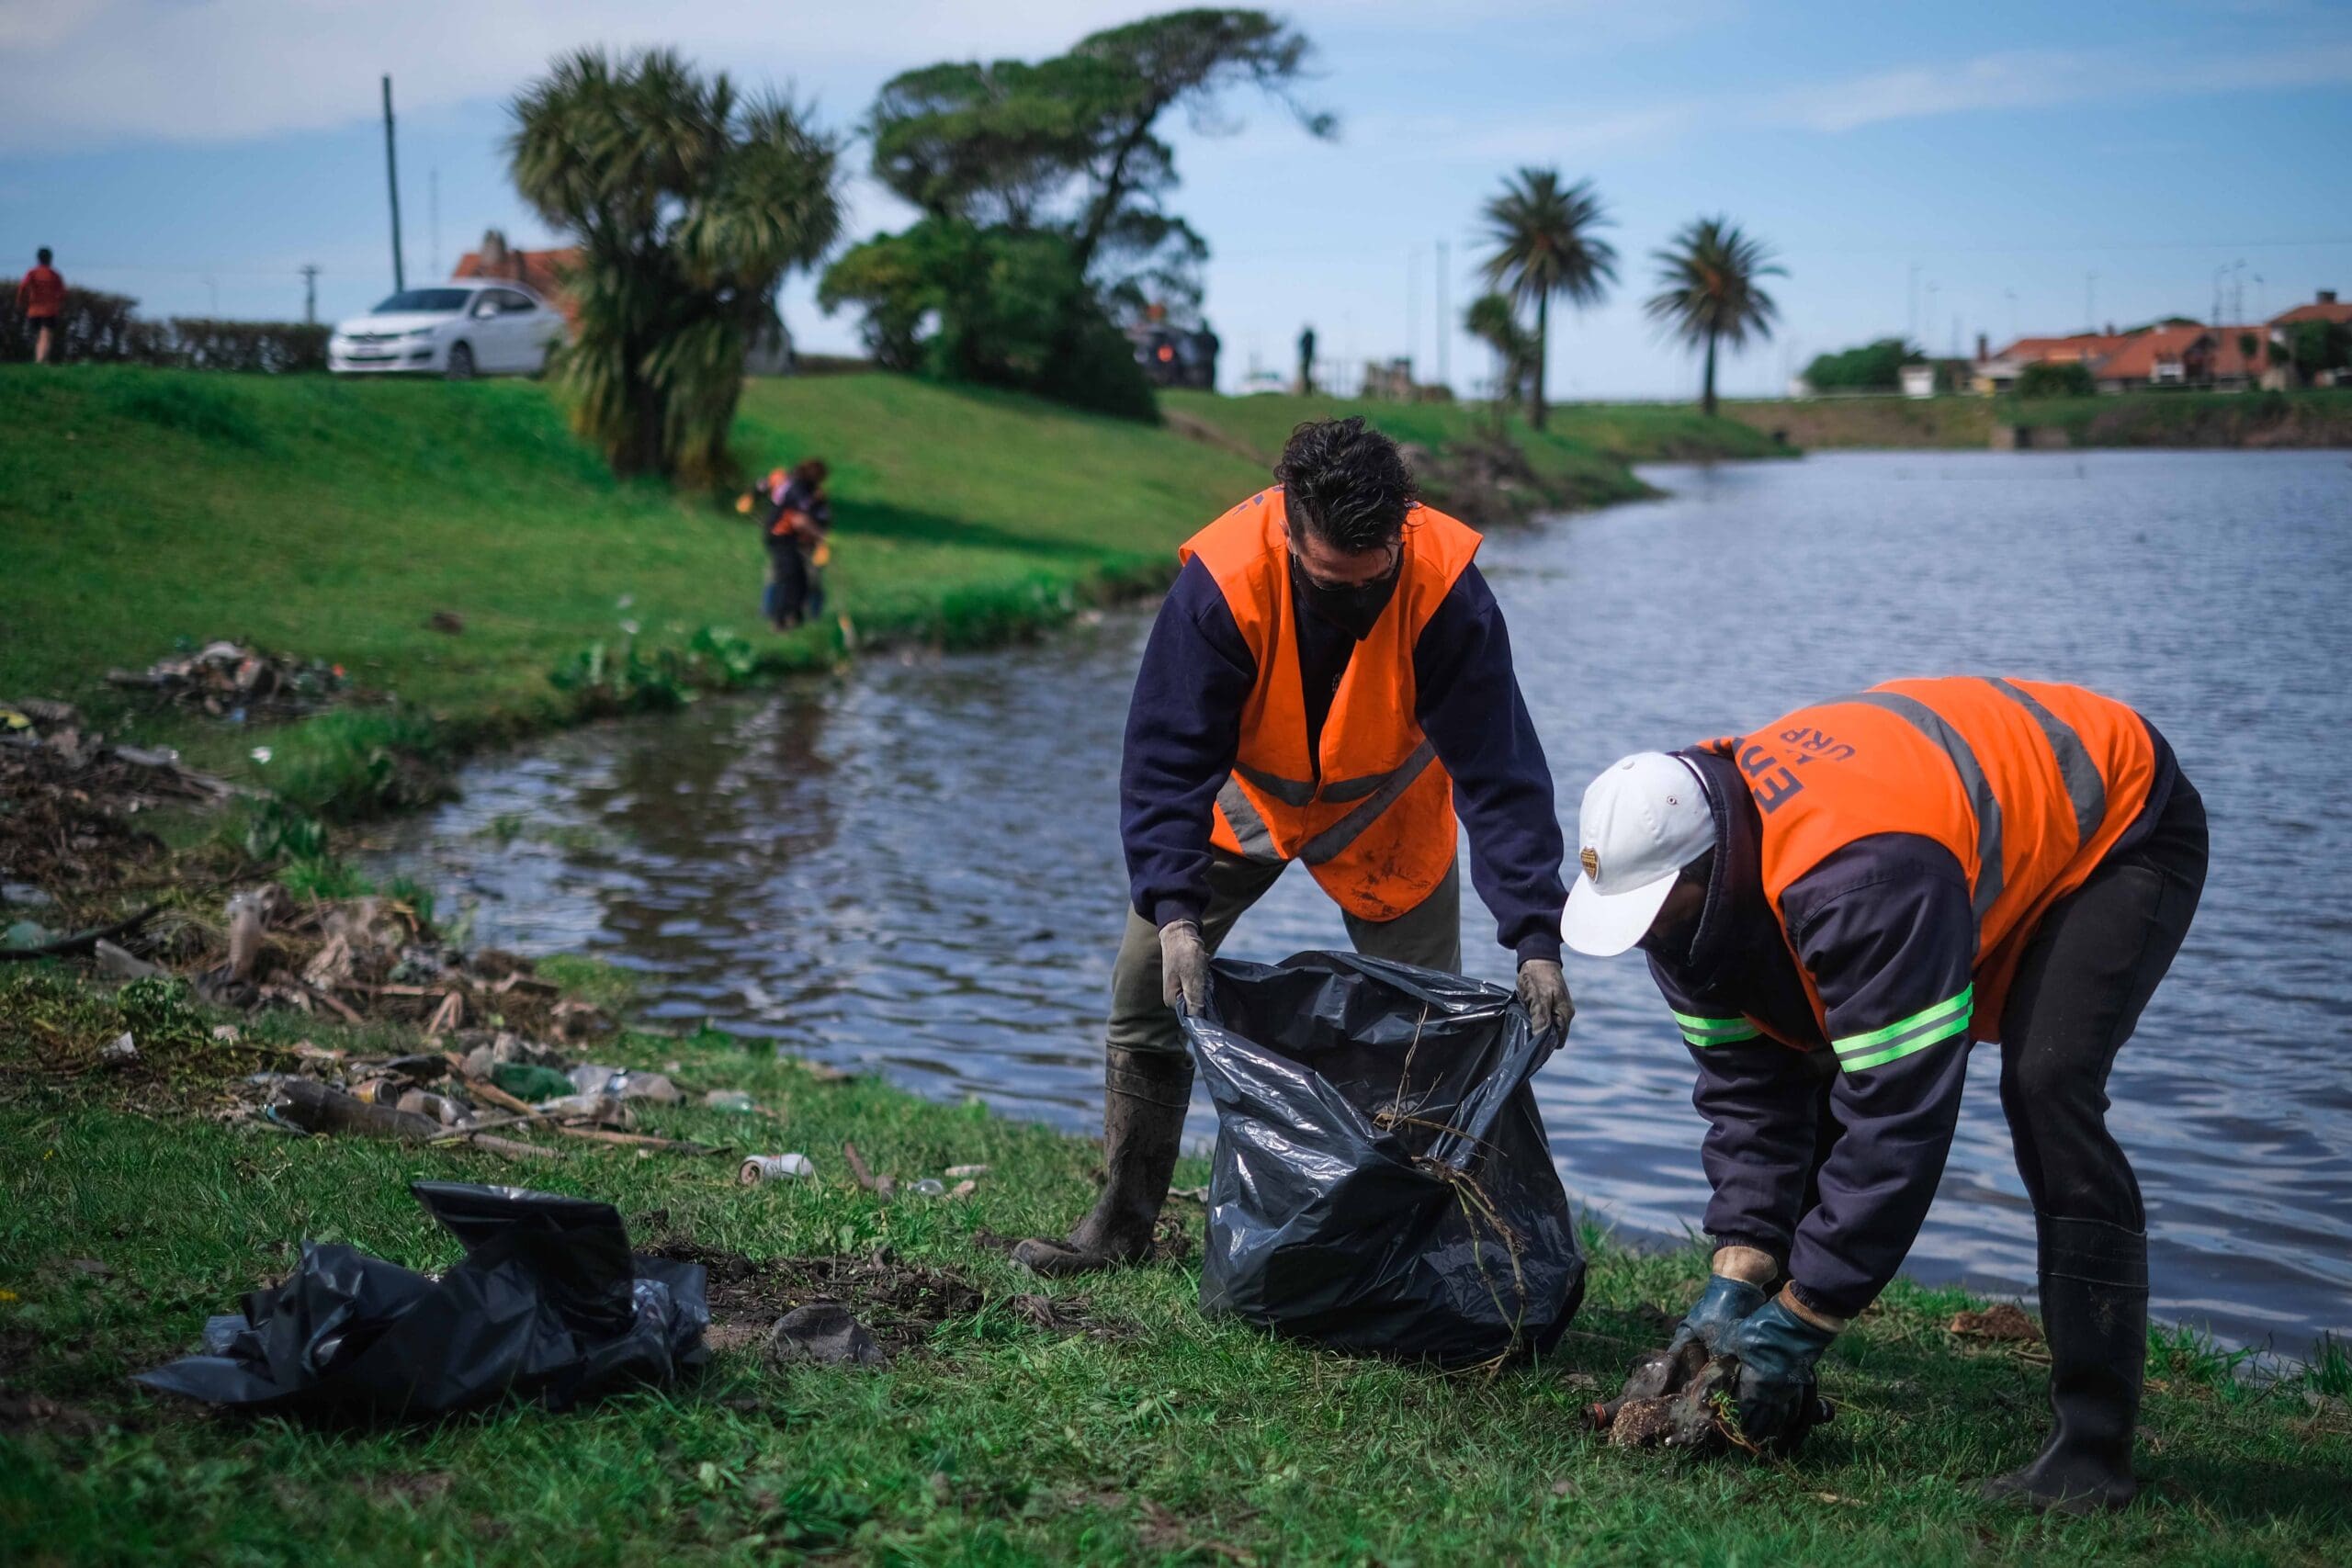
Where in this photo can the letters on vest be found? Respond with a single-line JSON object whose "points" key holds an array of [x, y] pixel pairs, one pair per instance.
{"points": [[1372, 813], [2029, 784]]}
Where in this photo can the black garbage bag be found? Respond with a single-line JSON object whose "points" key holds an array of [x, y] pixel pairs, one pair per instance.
{"points": [[547, 1304], [1382, 1182]]}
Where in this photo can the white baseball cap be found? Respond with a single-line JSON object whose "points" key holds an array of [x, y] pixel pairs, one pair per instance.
{"points": [[1644, 819]]}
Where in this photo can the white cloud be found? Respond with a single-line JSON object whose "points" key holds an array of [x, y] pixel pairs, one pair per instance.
{"points": [[75, 73], [2042, 78]]}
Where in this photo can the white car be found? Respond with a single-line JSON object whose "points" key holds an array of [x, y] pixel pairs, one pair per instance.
{"points": [[461, 329]]}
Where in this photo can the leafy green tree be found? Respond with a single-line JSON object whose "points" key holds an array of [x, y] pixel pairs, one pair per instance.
{"points": [[1545, 245], [689, 203], [993, 301], [1492, 321], [1874, 367], [1710, 292], [2056, 379], [1010, 159], [2315, 346]]}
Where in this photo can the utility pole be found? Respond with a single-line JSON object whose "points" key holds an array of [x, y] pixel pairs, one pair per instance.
{"points": [[1444, 322], [1412, 306], [310, 294], [392, 179]]}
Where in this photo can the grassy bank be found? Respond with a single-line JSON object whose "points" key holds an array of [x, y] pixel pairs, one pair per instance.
{"points": [[1579, 459], [2320, 418], [1130, 1430], [336, 520]]}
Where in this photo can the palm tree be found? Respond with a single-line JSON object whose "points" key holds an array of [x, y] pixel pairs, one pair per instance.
{"points": [[1710, 294], [689, 204], [1544, 244], [1492, 321]]}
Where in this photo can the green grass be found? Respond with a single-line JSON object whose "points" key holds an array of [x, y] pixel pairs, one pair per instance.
{"points": [[1170, 1438], [2320, 418], [1581, 457], [334, 519]]}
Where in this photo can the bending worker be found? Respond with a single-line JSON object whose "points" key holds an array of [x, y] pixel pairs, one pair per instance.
{"points": [[1835, 906], [1326, 681]]}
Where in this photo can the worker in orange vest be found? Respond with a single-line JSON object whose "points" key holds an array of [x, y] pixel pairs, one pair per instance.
{"points": [[1835, 906], [1329, 681]]}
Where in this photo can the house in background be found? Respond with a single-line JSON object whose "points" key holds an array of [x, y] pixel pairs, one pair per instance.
{"points": [[2168, 355], [545, 274], [541, 272]]}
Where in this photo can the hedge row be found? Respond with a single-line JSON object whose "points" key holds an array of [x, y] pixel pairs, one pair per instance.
{"points": [[104, 329]]}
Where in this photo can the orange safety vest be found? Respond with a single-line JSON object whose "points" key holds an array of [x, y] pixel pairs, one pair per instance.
{"points": [[1372, 814], [2027, 783]]}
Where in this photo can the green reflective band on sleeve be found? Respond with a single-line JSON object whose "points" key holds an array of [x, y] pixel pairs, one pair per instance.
{"points": [[1922, 1029], [1705, 1032]]}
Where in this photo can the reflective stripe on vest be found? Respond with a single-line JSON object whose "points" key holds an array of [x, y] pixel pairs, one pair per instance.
{"points": [[1930, 723], [2083, 786]]}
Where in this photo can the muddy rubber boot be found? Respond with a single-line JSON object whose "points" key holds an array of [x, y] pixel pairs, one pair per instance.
{"points": [[2094, 1314], [1145, 1094]]}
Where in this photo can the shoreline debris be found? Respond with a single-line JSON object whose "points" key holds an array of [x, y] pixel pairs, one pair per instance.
{"points": [[758, 1169], [231, 680]]}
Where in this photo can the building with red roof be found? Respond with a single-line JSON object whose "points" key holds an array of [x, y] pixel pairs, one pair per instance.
{"points": [[2326, 307], [542, 271]]}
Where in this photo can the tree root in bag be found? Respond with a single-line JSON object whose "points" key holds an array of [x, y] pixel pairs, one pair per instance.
{"points": [[548, 1305], [1381, 1183]]}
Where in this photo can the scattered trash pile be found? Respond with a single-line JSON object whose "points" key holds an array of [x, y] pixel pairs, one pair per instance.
{"points": [[495, 1083], [228, 680], [548, 1305], [370, 959], [66, 797]]}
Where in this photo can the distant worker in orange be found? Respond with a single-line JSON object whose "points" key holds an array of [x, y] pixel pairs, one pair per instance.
{"points": [[1835, 906], [1329, 681], [41, 299], [795, 516]]}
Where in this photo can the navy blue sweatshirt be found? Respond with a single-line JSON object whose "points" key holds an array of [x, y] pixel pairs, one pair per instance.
{"points": [[1885, 928], [1184, 730]]}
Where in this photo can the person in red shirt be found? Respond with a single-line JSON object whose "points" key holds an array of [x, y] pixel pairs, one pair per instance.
{"points": [[41, 297]]}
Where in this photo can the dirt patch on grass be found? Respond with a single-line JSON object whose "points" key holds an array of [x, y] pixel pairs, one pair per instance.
{"points": [[900, 1303]]}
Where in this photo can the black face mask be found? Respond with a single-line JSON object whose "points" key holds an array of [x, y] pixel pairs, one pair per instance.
{"points": [[1354, 609]]}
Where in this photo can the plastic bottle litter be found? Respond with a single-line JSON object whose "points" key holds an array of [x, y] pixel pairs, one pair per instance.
{"points": [[929, 1187], [760, 1169], [528, 1080], [730, 1099], [620, 1083]]}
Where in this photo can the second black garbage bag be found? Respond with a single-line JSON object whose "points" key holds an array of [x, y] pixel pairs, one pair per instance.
{"points": [[1381, 1183], [547, 1304]]}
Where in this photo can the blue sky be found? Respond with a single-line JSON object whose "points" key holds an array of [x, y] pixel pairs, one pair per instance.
{"points": [[1953, 169]]}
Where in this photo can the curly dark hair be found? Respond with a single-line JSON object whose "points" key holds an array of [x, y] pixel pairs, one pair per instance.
{"points": [[1346, 482], [812, 472]]}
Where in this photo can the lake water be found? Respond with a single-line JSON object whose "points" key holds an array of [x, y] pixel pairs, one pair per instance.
{"points": [[915, 868]]}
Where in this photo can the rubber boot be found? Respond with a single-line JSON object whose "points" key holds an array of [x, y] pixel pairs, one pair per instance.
{"points": [[2094, 1314], [1145, 1094]]}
